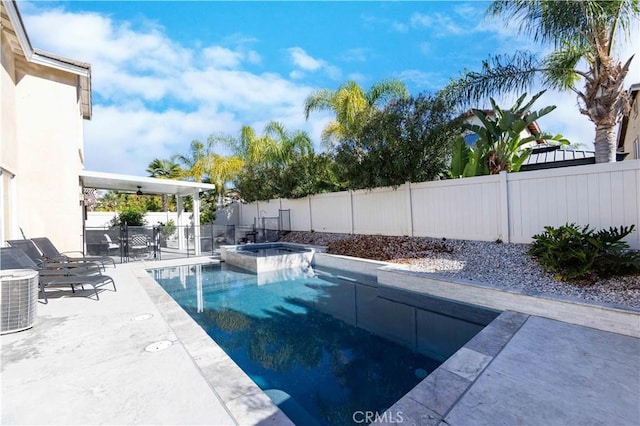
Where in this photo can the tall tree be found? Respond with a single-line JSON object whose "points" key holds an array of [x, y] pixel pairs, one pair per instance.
{"points": [[268, 159], [410, 140], [195, 162], [164, 169], [223, 169], [584, 36], [287, 147], [352, 106]]}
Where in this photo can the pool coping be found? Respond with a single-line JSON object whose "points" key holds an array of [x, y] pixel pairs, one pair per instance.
{"points": [[598, 315], [244, 400], [430, 400], [237, 255]]}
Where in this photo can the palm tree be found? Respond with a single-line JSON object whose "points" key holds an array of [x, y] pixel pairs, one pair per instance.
{"points": [[222, 170], [164, 169], [195, 163], [352, 107], [581, 32], [287, 146]]}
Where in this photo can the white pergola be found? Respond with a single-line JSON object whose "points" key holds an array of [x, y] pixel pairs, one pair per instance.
{"points": [[153, 186]]}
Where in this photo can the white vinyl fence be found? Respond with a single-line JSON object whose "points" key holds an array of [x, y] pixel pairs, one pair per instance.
{"points": [[103, 219], [511, 207]]}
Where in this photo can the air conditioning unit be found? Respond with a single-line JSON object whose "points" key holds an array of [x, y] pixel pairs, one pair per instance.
{"points": [[18, 299]]}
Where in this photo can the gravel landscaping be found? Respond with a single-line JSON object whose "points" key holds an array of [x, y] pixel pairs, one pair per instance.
{"points": [[502, 265]]}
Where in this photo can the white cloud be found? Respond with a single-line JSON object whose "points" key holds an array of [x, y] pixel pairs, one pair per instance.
{"points": [[420, 20], [153, 96], [440, 24], [253, 57], [399, 27], [303, 60], [395, 26], [306, 62], [219, 56], [423, 80], [566, 118], [297, 74], [356, 55]]}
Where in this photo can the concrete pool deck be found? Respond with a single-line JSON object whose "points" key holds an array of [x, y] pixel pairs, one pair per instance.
{"points": [[84, 362]]}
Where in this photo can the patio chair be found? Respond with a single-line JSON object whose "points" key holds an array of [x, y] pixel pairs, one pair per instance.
{"points": [[139, 245], [15, 258], [110, 244], [50, 251], [31, 250]]}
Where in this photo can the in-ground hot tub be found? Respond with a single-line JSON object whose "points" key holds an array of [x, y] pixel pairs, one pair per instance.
{"points": [[264, 257]]}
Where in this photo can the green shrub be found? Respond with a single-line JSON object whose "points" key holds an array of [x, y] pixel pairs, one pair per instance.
{"points": [[573, 252], [131, 216], [168, 229]]}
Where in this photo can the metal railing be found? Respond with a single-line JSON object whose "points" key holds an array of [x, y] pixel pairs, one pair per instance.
{"points": [[133, 243]]}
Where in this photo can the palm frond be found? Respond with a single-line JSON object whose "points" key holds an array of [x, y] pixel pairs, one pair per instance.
{"points": [[561, 66], [381, 92], [499, 75], [318, 101]]}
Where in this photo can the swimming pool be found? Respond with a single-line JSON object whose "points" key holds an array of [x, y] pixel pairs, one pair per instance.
{"points": [[264, 257], [266, 250], [314, 340]]}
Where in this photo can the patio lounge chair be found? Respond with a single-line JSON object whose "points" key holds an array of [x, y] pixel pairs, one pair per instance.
{"points": [[50, 251], [14, 258], [31, 250]]}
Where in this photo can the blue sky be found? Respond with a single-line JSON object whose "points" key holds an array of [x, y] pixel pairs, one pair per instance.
{"points": [[165, 73]]}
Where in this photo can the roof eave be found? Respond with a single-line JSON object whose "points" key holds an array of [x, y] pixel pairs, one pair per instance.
{"points": [[42, 58]]}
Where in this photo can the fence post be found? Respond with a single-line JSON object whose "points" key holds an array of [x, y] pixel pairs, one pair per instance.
{"points": [[409, 204], [351, 211], [504, 207], [310, 214]]}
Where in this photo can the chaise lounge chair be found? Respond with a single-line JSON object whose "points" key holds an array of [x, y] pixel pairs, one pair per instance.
{"points": [[14, 258], [30, 249], [51, 252]]}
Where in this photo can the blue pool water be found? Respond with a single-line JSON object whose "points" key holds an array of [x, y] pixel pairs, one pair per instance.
{"points": [[294, 333], [265, 250]]}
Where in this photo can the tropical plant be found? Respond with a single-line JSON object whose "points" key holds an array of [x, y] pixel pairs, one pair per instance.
{"points": [[352, 107], [409, 141], [584, 35], [223, 169], [194, 162], [267, 160], [164, 169], [286, 147], [168, 229], [573, 252], [460, 157], [501, 144], [311, 174], [130, 216], [112, 201]]}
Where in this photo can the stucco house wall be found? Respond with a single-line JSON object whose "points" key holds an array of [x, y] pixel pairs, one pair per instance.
{"points": [[630, 127], [8, 143], [42, 141], [49, 134]]}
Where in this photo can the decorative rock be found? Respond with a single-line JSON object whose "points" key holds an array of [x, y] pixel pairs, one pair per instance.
{"points": [[502, 265]]}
